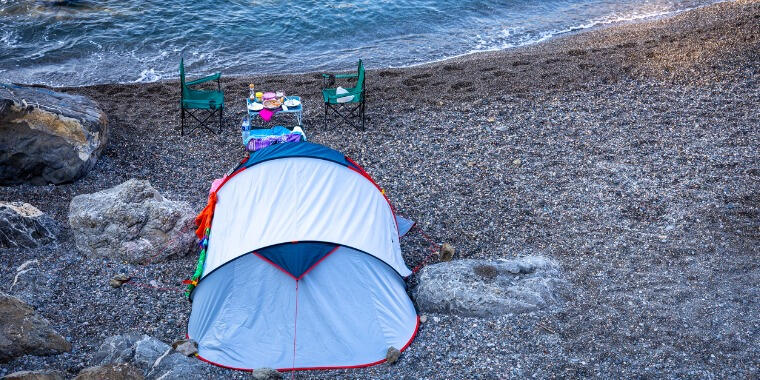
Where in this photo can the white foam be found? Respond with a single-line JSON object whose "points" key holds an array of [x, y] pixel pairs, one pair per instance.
{"points": [[611, 19], [147, 76]]}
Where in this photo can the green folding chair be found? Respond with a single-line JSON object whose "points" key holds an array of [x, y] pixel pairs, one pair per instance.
{"points": [[347, 105], [200, 101]]}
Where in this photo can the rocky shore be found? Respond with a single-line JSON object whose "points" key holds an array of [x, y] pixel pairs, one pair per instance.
{"points": [[628, 155]]}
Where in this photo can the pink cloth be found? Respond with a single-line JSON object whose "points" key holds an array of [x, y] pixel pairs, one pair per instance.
{"points": [[215, 185], [266, 114]]}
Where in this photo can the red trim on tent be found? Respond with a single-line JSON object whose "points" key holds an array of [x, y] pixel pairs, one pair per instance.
{"points": [[275, 265], [201, 358], [295, 328], [414, 334]]}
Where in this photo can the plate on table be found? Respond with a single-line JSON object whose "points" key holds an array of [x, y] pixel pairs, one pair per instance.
{"points": [[272, 104], [292, 103], [255, 106]]}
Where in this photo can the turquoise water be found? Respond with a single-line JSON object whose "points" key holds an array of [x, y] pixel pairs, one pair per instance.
{"points": [[86, 42]]}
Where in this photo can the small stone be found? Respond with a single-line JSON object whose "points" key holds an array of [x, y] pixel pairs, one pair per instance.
{"points": [[118, 280], [392, 355], [440, 103], [517, 162], [265, 374], [423, 318], [447, 252], [436, 319], [491, 119], [187, 347]]}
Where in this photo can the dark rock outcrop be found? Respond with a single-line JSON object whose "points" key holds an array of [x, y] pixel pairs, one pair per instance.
{"points": [[24, 226], [47, 136], [24, 332]]}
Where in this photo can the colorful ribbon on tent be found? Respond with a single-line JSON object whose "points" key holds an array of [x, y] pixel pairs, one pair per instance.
{"points": [[203, 221]]}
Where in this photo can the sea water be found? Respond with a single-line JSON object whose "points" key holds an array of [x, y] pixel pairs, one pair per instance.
{"points": [[87, 41]]}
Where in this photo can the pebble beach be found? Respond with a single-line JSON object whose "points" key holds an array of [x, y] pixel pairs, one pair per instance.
{"points": [[630, 154]]}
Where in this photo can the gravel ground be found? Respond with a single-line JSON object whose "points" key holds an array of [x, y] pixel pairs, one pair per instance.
{"points": [[630, 154]]}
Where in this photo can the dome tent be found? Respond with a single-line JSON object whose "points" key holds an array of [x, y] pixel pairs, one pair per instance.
{"points": [[301, 266]]}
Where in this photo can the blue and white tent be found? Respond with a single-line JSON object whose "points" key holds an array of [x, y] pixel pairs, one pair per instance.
{"points": [[303, 268]]}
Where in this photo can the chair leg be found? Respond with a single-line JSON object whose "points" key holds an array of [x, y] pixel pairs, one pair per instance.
{"points": [[364, 98], [221, 111], [182, 123]]}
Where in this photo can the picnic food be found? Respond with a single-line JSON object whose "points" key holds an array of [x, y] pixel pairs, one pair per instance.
{"points": [[272, 104]]}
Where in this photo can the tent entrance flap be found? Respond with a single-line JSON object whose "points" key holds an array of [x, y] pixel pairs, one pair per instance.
{"points": [[346, 312], [296, 258]]}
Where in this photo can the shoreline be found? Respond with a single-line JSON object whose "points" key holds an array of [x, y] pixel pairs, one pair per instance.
{"points": [[587, 27], [629, 154], [549, 55]]}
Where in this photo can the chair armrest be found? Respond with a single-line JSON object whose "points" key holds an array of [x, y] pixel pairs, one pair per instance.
{"points": [[205, 79], [351, 91], [340, 76]]}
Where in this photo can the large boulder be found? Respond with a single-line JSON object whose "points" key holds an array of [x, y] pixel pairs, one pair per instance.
{"points": [[47, 136], [24, 332], [482, 288], [24, 226], [131, 222], [154, 358]]}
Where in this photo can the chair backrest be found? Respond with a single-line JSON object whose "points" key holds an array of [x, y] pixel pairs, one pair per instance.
{"points": [[182, 74], [360, 78]]}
